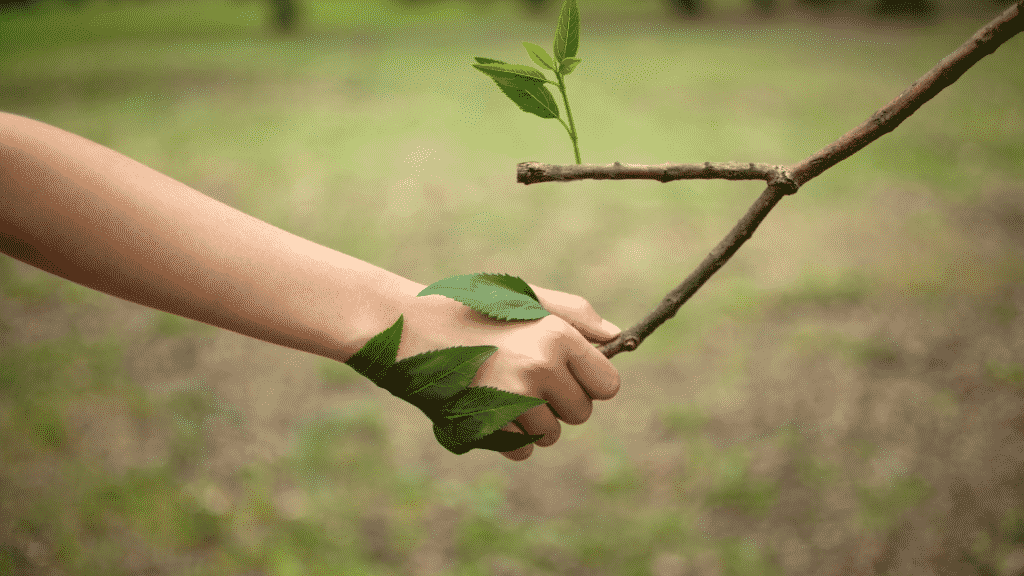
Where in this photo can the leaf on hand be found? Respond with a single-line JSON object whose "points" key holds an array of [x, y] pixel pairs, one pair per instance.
{"points": [[492, 407], [378, 353], [481, 412], [499, 441], [523, 88], [539, 55], [439, 382], [499, 296], [567, 36], [431, 379], [568, 65]]}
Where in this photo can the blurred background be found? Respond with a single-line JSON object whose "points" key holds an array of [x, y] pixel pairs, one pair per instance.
{"points": [[843, 397]]}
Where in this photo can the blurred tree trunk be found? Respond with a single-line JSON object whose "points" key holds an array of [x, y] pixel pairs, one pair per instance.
{"points": [[765, 7], [12, 4], [826, 4], [687, 7], [285, 14], [907, 8]]}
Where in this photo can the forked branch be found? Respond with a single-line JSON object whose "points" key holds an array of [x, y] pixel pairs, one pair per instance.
{"points": [[781, 180]]}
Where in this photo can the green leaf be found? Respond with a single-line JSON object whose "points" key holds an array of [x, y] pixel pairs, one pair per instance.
{"points": [[499, 441], [496, 69], [499, 296], [539, 55], [431, 379], [439, 382], [567, 36], [531, 97], [480, 412], [526, 91], [568, 65], [378, 354], [491, 406]]}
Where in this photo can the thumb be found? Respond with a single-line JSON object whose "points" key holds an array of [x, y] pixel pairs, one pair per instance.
{"points": [[600, 330], [577, 312], [607, 331]]}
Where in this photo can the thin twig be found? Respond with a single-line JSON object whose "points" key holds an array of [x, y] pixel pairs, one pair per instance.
{"points": [[533, 172], [781, 181]]}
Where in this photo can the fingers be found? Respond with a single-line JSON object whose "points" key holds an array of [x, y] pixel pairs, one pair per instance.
{"points": [[536, 420], [565, 393], [592, 370], [579, 375]]}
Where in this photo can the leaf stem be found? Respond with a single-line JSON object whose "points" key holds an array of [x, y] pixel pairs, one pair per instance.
{"points": [[572, 127]]}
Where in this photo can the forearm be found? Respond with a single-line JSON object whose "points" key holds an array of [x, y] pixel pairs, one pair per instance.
{"points": [[96, 217]]}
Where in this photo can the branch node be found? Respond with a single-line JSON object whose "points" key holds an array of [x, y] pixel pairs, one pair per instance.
{"points": [[783, 178], [630, 344], [529, 172]]}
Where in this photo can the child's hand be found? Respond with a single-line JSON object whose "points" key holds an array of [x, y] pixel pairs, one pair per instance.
{"points": [[552, 358]]}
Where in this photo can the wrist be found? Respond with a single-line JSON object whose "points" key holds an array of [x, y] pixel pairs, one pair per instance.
{"points": [[384, 298]]}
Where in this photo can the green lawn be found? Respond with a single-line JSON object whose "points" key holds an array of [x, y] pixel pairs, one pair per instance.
{"points": [[843, 396]]}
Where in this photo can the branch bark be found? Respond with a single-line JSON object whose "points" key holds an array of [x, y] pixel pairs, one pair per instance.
{"points": [[782, 181], [533, 172]]}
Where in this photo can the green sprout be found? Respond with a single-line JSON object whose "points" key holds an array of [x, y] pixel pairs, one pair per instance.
{"points": [[525, 84]]}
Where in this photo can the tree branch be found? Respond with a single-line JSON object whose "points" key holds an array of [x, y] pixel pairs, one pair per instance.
{"points": [[781, 180], [949, 70], [533, 172]]}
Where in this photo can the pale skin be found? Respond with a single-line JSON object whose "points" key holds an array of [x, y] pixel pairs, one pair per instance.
{"points": [[93, 216]]}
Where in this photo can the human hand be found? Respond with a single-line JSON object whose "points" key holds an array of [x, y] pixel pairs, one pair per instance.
{"points": [[552, 358]]}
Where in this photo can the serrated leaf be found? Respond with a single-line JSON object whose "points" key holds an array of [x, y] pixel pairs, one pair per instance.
{"points": [[530, 96], [568, 65], [483, 60], [503, 441], [439, 382], [489, 405], [499, 441], [378, 353], [528, 93], [499, 296], [497, 69], [567, 36], [480, 412], [431, 379], [539, 55]]}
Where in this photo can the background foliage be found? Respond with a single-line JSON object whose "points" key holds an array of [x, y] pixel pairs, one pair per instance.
{"points": [[844, 397]]}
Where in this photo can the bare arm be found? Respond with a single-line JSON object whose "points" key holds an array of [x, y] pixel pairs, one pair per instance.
{"points": [[96, 217], [88, 214]]}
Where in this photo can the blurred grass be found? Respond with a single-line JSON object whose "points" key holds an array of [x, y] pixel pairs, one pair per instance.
{"points": [[847, 376]]}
